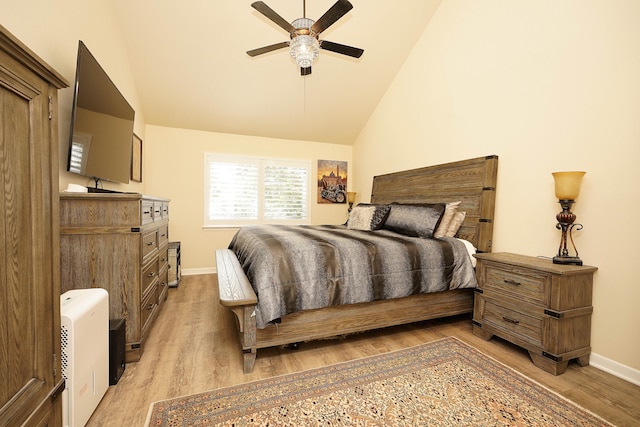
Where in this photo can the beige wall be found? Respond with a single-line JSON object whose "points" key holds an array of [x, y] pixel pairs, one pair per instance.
{"points": [[52, 30], [548, 86], [175, 169]]}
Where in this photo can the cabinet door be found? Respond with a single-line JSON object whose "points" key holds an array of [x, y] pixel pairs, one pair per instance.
{"points": [[29, 287]]}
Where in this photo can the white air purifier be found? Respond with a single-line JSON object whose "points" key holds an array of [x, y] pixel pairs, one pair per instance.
{"points": [[85, 353]]}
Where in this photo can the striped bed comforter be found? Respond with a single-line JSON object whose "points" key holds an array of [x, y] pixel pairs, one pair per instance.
{"points": [[295, 268]]}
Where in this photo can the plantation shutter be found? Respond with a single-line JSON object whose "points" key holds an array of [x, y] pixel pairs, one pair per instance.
{"points": [[286, 187], [246, 190]]}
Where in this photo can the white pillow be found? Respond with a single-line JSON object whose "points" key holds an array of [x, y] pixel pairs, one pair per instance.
{"points": [[449, 211]]}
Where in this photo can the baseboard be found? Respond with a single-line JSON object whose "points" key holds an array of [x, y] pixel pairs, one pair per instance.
{"points": [[195, 271], [614, 368]]}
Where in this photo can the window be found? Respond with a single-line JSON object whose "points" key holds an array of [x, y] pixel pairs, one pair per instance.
{"points": [[249, 190]]}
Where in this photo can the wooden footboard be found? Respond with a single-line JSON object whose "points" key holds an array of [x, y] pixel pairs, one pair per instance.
{"points": [[236, 294]]}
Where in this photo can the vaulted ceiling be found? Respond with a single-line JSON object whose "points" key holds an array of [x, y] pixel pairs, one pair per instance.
{"points": [[191, 68]]}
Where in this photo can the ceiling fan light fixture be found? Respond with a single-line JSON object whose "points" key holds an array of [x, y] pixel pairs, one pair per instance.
{"points": [[304, 49], [305, 45]]}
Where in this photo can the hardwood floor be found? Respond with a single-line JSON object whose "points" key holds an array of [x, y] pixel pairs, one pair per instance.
{"points": [[193, 348]]}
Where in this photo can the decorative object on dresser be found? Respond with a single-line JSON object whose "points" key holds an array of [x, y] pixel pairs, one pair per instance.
{"points": [[31, 377], [119, 242], [567, 186], [471, 181], [535, 304]]}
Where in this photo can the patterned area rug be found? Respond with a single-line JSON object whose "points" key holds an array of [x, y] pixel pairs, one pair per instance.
{"points": [[443, 383]]}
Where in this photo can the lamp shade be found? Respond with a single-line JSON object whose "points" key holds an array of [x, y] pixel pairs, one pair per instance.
{"points": [[568, 184], [351, 196]]}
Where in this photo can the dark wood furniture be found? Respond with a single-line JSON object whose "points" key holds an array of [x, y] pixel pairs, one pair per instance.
{"points": [[118, 242], [30, 374], [540, 306], [473, 182]]}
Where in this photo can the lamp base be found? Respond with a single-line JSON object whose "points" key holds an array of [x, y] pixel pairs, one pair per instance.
{"points": [[572, 260]]}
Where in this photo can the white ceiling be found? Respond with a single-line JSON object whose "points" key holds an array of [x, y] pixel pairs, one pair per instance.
{"points": [[191, 68]]}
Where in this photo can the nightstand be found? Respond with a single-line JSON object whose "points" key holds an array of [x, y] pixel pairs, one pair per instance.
{"points": [[535, 304]]}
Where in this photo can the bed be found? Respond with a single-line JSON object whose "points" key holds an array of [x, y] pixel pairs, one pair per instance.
{"points": [[471, 182]]}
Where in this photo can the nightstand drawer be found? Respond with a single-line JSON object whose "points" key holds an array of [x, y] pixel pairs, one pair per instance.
{"points": [[526, 326], [516, 282]]}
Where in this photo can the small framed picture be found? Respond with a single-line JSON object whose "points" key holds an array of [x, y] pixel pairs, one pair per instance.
{"points": [[136, 159], [332, 181]]}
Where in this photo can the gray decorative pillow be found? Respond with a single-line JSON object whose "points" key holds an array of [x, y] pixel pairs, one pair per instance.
{"points": [[367, 217], [414, 220]]}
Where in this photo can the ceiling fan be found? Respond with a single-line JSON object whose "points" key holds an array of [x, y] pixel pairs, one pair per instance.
{"points": [[305, 45]]}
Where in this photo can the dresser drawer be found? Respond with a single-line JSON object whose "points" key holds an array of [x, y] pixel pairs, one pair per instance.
{"points": [[523, 324], [147, 212], [163, 235], [163, 283], [149, 304], [150, 274], [163, 256], [157, 211], [517, 282], [149, 243]]}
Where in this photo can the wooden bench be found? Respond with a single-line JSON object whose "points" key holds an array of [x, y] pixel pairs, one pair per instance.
{"points": [[237, 294]]}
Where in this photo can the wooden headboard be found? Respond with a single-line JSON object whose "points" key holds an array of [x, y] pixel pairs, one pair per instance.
{"points": [[472, 181]]}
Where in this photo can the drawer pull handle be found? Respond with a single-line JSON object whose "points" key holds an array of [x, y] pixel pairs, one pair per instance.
{"points": [[512, 282], [153, 273], [150, 243], [150, 306], [508, 319]]}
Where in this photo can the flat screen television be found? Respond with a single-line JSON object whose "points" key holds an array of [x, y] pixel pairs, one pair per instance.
{"points": [[101, 135]]}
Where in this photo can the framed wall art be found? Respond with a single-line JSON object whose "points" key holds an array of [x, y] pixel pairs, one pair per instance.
{"points": [[332, 181], [136, 159]]}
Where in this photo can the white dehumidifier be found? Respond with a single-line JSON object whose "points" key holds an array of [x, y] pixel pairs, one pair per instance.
{"points": [[84, 330]]}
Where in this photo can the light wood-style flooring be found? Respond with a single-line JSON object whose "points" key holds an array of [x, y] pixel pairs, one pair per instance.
{"points": [[193, 348]]}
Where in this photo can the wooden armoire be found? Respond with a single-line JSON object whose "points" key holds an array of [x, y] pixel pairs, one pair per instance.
{"points": [[30, 375]]}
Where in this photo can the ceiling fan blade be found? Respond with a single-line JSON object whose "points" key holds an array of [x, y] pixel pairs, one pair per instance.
{"points": [[265, 49], [340, 48], [305, 71], [271, 14], [335, 12]]}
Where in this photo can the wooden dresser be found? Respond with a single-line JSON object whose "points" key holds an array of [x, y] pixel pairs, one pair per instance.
{"points": [[119, 242], [31, 379], [535, 304]]}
